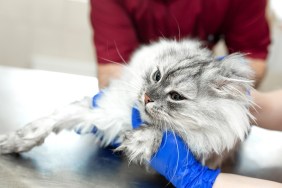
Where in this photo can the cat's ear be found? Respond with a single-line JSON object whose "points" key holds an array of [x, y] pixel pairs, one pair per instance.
{"points": [[233, 75]]}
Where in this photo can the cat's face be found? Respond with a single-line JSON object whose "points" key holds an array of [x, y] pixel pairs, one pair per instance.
{"points": [[189, 92], [172, 85]]}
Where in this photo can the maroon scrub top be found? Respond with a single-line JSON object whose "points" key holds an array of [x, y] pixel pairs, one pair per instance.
{"points": [[120, 26]]}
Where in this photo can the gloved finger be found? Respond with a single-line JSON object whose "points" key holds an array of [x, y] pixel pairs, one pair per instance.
{"points": [[135, 118], [96, 98], [173, 155]]}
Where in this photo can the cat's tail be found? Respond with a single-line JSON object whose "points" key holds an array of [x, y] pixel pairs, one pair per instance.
{"points": [[78, 115]]}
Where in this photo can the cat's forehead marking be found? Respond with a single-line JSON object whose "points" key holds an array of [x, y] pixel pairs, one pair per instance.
{"points": [[187, 86], [182, 70], [167, 53]]}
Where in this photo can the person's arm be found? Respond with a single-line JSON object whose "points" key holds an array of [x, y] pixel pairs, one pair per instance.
{"points": [[246, 31], [107, 72], [231, 180], [114, 37], [268, 109], [177, 164], [259, 67]]}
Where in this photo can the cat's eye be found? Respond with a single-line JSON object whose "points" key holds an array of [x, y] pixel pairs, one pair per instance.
{"points": [[157, 76], [176, 96]]}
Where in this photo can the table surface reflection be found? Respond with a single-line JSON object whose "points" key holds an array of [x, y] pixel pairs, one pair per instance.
{"points": [[71, 160]]}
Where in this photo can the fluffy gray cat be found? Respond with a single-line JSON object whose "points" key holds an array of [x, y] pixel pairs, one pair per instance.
{"points": [[177, 86]]}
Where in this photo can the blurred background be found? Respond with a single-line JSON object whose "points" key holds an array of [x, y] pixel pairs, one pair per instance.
{"points": [[47, 34], [56, 35]]}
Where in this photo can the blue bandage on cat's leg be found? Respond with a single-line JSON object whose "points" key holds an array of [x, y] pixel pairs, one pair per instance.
{"points": [[115, 143], [175, 161], [95, 99], [94, 105]]}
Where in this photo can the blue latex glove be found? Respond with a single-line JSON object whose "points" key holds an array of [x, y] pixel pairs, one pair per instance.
{"points": [[175, 161]]}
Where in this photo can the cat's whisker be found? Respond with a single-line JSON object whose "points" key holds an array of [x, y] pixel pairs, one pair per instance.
{"points": [[165, 137], [169, 123], [119, 53], [186, 134], [231, 88], [110, 61], [239, 80], [126, 67], [128, 70], [253, 118], [131, 85], [177, 148], [178, 27], [124, 90], [254, 105]]}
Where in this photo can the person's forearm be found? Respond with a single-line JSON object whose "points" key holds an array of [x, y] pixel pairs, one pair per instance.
{"points": [[259, 67], [230, 180], [107, 72], [268, 109]]}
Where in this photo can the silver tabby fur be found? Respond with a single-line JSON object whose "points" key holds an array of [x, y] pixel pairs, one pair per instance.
{"points": [[212, 117]]}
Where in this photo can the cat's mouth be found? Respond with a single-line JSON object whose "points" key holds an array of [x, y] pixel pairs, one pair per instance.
{"points": [[149, 107], [148, 111], [152, 111]]}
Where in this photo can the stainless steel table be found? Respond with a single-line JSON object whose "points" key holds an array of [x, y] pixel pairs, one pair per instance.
{"points": [[71, 160]]}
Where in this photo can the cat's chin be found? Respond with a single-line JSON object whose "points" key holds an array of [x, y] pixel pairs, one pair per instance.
{"points": [[144, 115], [147, 114], [149, 111]]}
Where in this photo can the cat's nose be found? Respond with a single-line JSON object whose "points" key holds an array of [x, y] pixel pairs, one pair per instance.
{"points": [[147, 99]]}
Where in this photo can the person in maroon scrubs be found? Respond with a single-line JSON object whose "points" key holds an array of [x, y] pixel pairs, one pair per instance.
{"points": [[121, 26]]}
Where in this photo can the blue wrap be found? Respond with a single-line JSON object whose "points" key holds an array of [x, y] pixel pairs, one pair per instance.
{"points": [[94, 105], [174, 160]]}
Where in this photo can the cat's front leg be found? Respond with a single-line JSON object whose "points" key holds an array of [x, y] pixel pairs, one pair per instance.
{"points": [[34, 133], [140, 144]]}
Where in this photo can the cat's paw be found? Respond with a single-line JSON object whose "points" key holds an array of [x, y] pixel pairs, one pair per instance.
{"points": [[26, 138], [139, 145], [3, 140], [13, 143]]}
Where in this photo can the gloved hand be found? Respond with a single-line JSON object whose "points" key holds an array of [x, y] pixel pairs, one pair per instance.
{"points": [[174, 160]]}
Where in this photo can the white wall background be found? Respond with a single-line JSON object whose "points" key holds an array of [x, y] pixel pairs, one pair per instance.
{"points": [[47, 34]]}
